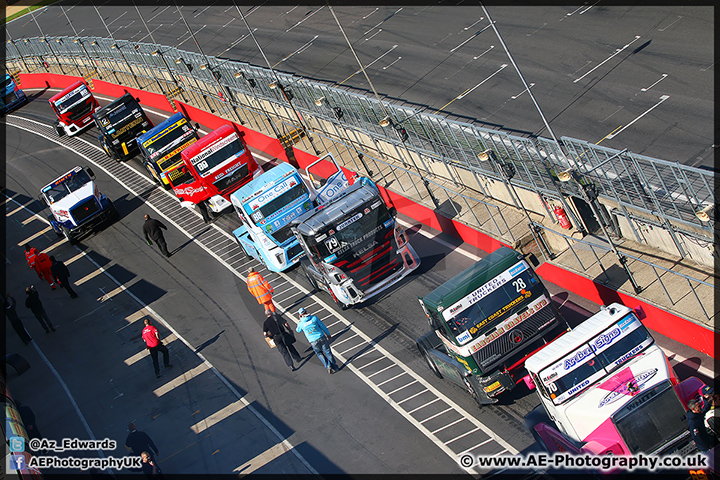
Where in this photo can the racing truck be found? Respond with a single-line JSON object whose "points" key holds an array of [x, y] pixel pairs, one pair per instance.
{"points": [[12, 96], [212, 169], [76, 205], [354, 247], [486, 321], [267, 204], [161, 146], [74, 107], [120, 122], [606, 388]]}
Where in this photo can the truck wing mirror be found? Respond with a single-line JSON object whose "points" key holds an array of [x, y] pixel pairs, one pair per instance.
{"points": [[393, 212], [138, 99], [41, 199], [533, 260], [197, 127], [90, 172]]}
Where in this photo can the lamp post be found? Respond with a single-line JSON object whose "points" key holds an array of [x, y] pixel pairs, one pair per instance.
{"points": [[589, 194], [44, 39], [507, 170], [339, 114], [253, 85], [115, 45], [22, 57]]}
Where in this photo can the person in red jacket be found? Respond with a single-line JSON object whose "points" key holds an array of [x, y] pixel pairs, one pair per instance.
{"points": [[31, 257], [44, 264], [153, 343]]}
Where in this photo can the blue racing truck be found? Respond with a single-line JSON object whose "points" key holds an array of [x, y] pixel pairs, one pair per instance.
{"points": [[161, 146], [12, 96]]}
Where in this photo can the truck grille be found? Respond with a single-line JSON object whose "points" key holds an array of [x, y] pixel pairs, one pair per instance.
{"points": [[282, 235], [84, 210], [230, 180], [374, 266], [499, 350], [81, 111], [10, 98]]}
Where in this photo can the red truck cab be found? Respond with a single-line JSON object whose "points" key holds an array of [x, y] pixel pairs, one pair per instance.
{"points": [[213, 168], [74, 107]]}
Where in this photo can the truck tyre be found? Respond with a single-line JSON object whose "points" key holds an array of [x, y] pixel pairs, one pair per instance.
{"points": [[59, 130], [535, 417], [313, 283], [430, 363], [153, 175], [68, 234], [337, 302]]}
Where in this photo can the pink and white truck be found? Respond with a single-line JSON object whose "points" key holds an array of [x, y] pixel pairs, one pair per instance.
{"points": [[606, 388]]}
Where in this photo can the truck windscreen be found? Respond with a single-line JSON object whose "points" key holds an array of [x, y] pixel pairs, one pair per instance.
{"points": [[262, 210], [497, 298], [595, 359], [164, 139], [71, 99], [217, 153], [63, 186], [353, 229]]}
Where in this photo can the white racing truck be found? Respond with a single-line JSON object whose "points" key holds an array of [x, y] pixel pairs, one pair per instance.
{"points": [[606, 388], [76, 205]]}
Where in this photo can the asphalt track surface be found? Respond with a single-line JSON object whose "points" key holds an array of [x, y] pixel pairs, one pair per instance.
{"points": [[636, 77], [356, 421]]}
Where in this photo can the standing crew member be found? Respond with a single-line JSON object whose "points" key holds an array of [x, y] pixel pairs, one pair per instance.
{"points": [[260, 289], [696, 425], [15, 320], [61, 274], [278, 331], [36, 307], [153, 343], [138, 442], [31, 257], [152, 229], [319, 337], [44, 264]]}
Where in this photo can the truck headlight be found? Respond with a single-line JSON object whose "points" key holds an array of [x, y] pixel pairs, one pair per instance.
{"points": [[400, 236]]}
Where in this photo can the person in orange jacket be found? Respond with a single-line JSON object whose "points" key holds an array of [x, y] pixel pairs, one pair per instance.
{"points": [[44, 265], [31, 257], [260, 289]]}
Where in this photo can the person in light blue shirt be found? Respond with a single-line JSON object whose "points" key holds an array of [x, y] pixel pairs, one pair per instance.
{"points": [[319, 337]]}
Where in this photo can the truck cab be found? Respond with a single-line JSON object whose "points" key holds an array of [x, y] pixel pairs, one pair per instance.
{"points": [[12, 96], [161, 146], [354, 247], [120, 122], [76, 205], [266, 205], [213, 168], [74, 107], [606, 388], [485, 322]]}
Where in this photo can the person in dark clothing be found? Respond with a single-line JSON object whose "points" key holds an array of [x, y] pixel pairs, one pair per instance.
{"points": [[15, 320], [152, 229], [138, 442], [150, 467], [696, 426], [36, 307], [274, 329], [62, 275]]}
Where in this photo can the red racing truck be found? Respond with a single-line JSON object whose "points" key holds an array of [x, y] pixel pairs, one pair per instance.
{"points": [[74, 107], [212, 169]]}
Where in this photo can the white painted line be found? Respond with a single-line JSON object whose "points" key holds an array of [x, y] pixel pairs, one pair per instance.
{"points": [[261, 460], [335, 344], [661, 79], [662, 99], [33, 237], [448, 425], [404, 386], [476, 446], [185, 376], [218, 416], [463, 435], [437, 415], [422, 406], [145, 352], [400, 402], [607, 59], [380, 371], [680, 359], [374, 361], [390, 379]]}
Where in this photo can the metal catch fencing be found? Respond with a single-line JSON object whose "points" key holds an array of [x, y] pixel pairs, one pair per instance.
{"points": [[427, 153]]}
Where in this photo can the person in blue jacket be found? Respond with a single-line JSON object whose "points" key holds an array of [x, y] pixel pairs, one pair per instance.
{"points": [[319, 337]]}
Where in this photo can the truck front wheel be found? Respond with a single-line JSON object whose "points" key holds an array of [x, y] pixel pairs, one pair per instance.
{"points": [[69, 236], [55, 227], [59, 129], [426, 356]]}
